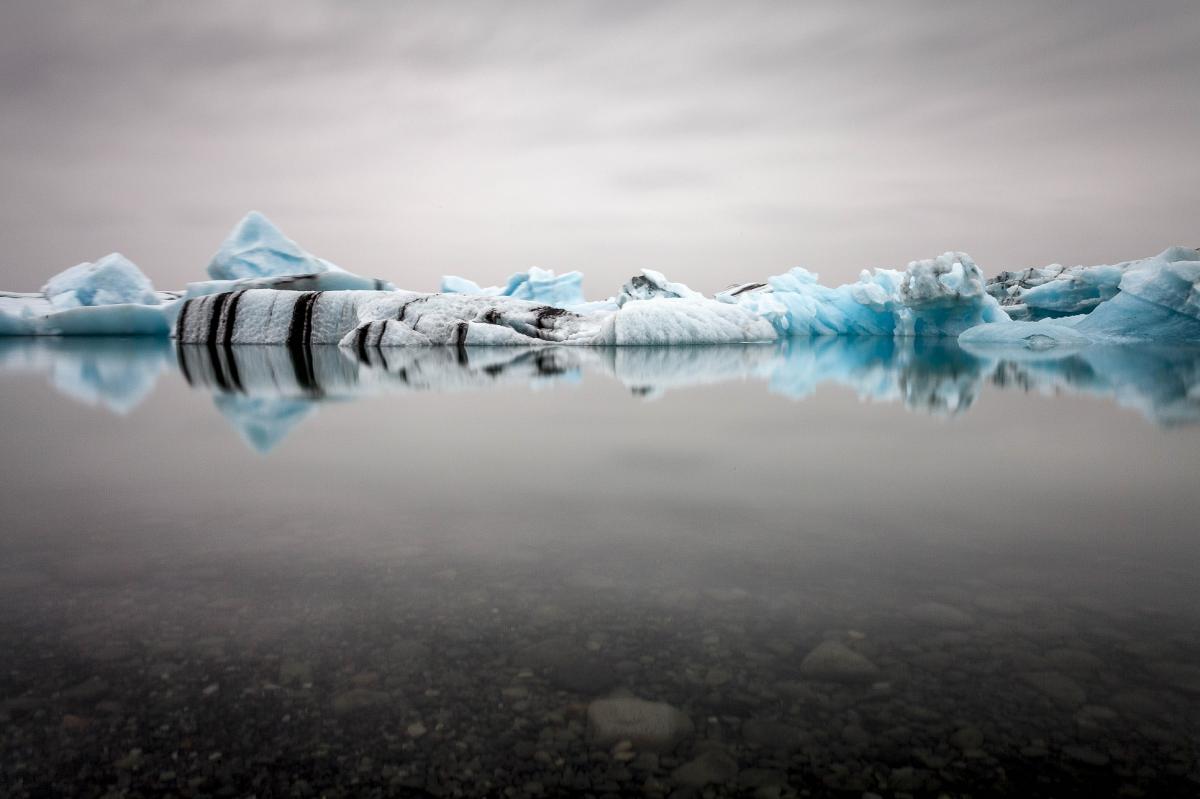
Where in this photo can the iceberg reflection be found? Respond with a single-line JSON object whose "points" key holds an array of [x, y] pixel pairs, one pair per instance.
{"points": [[114, 373], [266, 391]]}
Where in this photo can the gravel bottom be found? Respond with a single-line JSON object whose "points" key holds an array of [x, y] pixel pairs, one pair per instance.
{"points": [[435, 677]]}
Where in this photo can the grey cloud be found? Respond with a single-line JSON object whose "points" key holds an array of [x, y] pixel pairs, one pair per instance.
{"points": [[411, 139]]}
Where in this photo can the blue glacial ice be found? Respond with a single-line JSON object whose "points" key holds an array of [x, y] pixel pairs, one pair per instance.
{"points": [[256, 250], [535, 285], [940, 296], [1157, 299], [1054, 291], [108, 297], [112, 280]]}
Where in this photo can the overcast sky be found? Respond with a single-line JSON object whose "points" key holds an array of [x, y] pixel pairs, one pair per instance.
{"points": [[716, 142]]}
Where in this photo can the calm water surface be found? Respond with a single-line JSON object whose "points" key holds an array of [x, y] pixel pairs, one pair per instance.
{"points": [[846, 568]]}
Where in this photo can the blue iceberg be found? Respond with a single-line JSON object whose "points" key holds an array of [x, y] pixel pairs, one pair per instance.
{"points": [[256, 249], [940, 296], [535, 285], [112, 280], [1157, 299], [110, 297]]}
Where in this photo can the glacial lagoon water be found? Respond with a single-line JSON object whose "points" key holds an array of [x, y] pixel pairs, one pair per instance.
{"points": [[844, 568]]}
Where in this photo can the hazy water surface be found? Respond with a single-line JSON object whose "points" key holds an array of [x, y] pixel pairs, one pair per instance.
{"points": [[266, 572]]}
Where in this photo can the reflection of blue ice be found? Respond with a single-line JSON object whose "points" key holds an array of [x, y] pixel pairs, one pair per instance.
{"points": [[116, 373], [925, 374], [263, 422], [266, 391]]}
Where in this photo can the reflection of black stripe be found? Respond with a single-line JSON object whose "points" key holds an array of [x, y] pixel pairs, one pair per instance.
{"points": [[298, 339], [183, 367], [180, 320], [214, 357], [360, 341], [214, 318], [460, 342], [235, 377]]}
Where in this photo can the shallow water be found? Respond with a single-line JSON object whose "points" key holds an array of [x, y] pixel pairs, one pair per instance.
{"points": [[256, 571]]}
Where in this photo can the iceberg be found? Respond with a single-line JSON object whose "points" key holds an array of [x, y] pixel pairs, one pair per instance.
{"points": [[257, 249], [110, 297], [117, 374], [112, 280], [651, 285], [1054, 291], [535, 285], [940, 296], [1156, 299], [361, 319]]}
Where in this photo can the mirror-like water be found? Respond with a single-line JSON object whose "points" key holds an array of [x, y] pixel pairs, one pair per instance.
{"points": [[848, 567]]}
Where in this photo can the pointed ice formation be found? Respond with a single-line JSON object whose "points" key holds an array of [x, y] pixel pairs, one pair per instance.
{"points": [[256, 254]]}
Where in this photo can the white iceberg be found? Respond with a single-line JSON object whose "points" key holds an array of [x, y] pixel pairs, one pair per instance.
{"points": [[651, 285], [362, 319], [535, 285]]}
